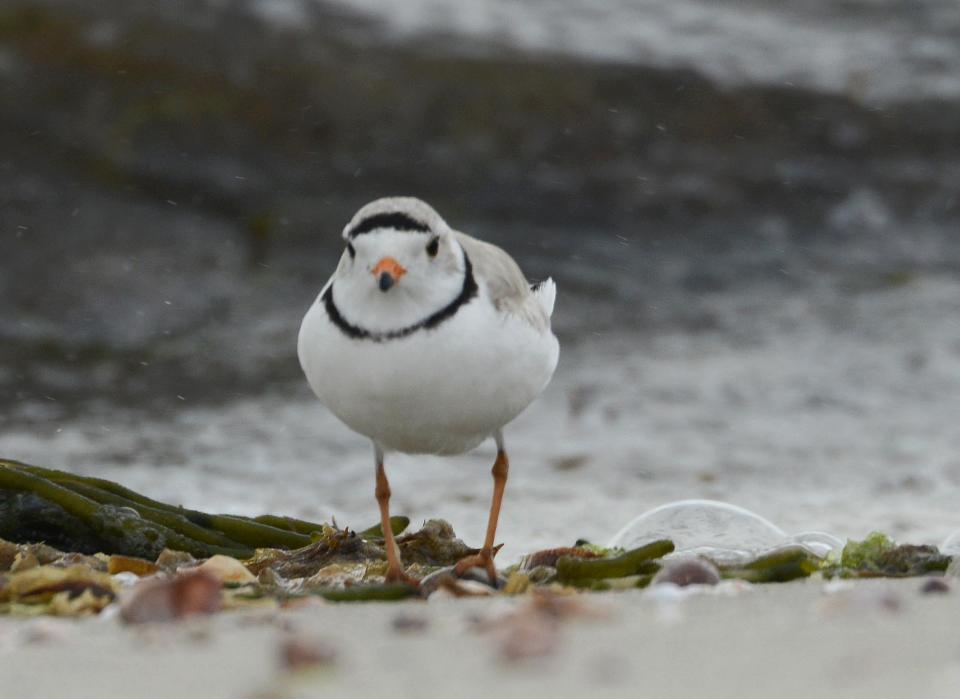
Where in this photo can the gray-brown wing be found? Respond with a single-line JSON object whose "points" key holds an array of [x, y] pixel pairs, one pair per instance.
{"points": [[508, 288]]}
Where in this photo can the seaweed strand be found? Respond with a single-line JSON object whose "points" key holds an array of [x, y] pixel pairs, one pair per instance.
{"points": [[571, 568], [245, 531]]}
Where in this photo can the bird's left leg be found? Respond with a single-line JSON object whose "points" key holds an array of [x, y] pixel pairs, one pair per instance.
{"points": [[484, 559]]}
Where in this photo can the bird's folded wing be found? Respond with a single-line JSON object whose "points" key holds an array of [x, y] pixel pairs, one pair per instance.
{"points": [[508, 288]]}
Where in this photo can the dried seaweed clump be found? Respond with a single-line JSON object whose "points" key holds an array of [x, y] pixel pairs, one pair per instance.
{"points": [[37, 579], [879, 556]]}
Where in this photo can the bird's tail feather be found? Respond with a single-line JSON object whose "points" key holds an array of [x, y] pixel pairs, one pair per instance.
{"points": [[546, 294]]}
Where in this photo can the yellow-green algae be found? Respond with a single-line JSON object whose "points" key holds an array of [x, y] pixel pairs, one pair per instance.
{"points": [[880, 556]]}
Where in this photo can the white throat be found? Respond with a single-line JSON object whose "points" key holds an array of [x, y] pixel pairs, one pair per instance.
{"points": [[414, 298]]}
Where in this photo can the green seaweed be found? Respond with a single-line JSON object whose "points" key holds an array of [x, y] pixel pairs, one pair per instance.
{"points": [[122, 529], [397, 525], [879, 556], [633, 562], [245, 531], [171, 520], [92, 514], [861, 554], [370, 593], [783, 565], [604, 551]]}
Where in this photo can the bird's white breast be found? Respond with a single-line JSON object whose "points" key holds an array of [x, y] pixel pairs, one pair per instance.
{"points": [[440, 390]]}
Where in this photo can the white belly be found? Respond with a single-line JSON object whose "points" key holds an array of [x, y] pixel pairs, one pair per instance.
{"points": [[442, 390]]}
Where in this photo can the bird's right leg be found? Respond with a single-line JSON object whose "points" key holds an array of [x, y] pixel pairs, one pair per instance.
{"points": [[394, 568], [484, 559]]}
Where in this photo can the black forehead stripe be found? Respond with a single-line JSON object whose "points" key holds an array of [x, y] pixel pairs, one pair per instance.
{"points": [[396, 220], [355, 332]]}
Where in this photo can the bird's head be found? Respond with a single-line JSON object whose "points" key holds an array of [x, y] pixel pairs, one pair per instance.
{"points": [[401, 261]]}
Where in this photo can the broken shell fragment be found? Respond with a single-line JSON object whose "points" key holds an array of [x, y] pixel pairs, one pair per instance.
{"points": [[165, 599], [227, 570]]}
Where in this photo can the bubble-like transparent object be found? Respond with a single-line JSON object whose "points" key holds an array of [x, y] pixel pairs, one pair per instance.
{"points": [[951, 545], [721, 531], [820, 543]]}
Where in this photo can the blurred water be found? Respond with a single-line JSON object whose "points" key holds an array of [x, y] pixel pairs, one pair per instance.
{"points": [[876, 50]]}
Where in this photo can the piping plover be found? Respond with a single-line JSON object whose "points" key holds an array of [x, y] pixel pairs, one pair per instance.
{"points": [[427, 341]]}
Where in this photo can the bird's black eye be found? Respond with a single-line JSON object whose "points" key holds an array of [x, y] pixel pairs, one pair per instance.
{"points": [[353, 253], [433, 247]]}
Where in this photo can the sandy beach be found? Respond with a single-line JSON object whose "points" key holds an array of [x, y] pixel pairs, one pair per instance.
{"points": [[872, 639]]}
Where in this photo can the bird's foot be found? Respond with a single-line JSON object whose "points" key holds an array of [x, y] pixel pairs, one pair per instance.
{"points": [[484, 560], [398, 576]]}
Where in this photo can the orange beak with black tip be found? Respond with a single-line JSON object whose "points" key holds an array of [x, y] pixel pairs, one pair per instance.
{"points": [[387, 272]]}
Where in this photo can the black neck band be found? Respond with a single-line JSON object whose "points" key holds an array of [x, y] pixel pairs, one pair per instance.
{"points": [[467, 292]]}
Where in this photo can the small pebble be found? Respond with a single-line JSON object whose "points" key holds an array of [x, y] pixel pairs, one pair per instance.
{"points": [[528, 637], [407, 623], [690, 571], [159, 599], [890, 602], [934, 586], [303, 654], [472, 579], [41, 631], [431, 583]]}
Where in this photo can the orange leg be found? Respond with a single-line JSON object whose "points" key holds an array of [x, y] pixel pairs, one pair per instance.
{"points": [[394, 568], [485, 558]]}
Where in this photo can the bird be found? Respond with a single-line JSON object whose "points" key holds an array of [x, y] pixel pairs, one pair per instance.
{"points": [[427, 341]]}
